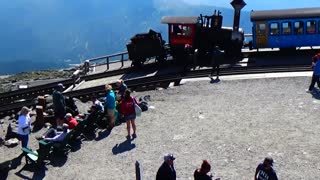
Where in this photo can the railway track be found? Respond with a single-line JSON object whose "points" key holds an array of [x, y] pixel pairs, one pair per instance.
{"points": [[32, 92], [159, 81]]}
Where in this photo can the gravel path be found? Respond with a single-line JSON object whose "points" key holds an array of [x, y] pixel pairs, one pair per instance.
{"points": [[232, 124]]}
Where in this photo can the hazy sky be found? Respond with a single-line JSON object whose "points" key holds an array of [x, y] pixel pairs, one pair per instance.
{"points": [[261, 4]]}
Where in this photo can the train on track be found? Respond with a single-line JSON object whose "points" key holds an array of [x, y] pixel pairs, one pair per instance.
{"points": [[285, 29], [190, 38], [193, 39]]}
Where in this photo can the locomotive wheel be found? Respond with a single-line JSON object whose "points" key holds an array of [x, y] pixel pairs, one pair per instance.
{"points": [[136, 63]]}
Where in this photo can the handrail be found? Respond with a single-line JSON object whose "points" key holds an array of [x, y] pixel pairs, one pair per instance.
{"points": [[107, 59]]}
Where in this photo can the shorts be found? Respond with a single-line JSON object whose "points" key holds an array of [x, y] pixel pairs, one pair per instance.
{"points": [[129, 117]]}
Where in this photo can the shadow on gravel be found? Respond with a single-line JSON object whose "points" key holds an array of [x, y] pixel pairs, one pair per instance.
{"points": [[102, 135], [316, 94], [123, 147], [58, 161], [76, 145], [6, 166], [213, 81], [38, 173]]}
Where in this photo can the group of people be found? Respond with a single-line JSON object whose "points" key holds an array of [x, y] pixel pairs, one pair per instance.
{"points": [[126, 106], [122, 101], [166, 171]]}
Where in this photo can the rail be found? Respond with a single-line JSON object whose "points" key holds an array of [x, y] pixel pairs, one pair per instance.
{"points": [[163, 81], [105, 60]]}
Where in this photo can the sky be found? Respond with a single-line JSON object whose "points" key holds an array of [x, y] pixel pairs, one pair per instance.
{"points": [[261, 4]]}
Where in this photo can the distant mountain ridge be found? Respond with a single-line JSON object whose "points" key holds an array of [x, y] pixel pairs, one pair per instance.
{"points": [[53, 33]]}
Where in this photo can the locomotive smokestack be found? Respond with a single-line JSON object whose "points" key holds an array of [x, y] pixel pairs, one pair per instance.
{"points": [[237, 5]]}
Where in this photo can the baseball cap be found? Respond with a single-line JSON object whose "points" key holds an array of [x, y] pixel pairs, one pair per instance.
{"points": [[60, 85], [68, 115], [168, 157], [269, 160]]}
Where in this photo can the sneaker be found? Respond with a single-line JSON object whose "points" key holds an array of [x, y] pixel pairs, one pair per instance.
{"points": [[134, 135], [128, 137], [308, 91]]}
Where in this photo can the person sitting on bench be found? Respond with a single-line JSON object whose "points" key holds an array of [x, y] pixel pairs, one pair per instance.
{"points": [[72, 122], [56, 136]]}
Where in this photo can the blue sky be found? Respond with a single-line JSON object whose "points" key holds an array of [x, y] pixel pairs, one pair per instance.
{"points": [[261, 4]]}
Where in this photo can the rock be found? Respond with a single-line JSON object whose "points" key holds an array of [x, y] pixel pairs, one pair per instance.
{"points": [[11, 142], [7, 118], [49, 106]]}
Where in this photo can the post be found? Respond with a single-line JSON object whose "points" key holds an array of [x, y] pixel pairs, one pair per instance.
{"points": [[76, 77], [138, 171], [107, 63], [39, 119], [122, 59], [86, 66]]}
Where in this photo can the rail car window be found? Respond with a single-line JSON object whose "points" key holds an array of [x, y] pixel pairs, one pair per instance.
{"points": [[311, 27], [274, 28], [298, 27], [181, 30], [261, 29], [286, 28]]}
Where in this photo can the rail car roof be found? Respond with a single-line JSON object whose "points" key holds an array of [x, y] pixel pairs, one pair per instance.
{"points": [[179, 20], [285, 14]]}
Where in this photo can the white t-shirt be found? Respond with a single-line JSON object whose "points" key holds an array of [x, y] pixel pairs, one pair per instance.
{"points": [[23, 122]]}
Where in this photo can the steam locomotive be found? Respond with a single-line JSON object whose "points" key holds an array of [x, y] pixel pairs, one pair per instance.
{"points": [[191, 40], [187, 35]]}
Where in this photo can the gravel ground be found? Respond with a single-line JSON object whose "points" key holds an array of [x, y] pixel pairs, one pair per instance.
{"points": [[232, 124]]}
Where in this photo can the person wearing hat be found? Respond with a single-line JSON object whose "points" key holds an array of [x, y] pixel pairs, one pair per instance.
{"points": [[166, 170], [72, 122], [122, 87], [265, 170], [110, 105], [59, 104], [24, 126]]}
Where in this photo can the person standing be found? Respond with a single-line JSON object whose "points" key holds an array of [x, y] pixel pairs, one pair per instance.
{"points": [[217, 55], [316, 72], [59, 104], [166, 170], [128, 113], [24, 126], [264, 171], [110, 105], [122, 87]]}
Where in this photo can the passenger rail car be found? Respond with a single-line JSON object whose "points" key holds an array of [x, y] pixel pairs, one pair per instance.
{"points": [[286, 29]]}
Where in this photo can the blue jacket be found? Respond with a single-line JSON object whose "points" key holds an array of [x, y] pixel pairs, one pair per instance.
{"points": [[316, 69], [110, 100]]}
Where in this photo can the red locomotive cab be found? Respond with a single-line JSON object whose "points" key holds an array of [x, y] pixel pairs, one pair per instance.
{"points": [[181, 30], [181, 34]]}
